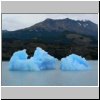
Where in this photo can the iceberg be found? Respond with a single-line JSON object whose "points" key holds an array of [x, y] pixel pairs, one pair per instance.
{"points": [[41, 60], [74, 62]]}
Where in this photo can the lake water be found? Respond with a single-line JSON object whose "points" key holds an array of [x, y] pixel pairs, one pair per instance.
{"points": [[50, 77]]}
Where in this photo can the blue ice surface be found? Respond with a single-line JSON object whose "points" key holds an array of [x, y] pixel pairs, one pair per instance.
{"points": [[74, 62], [41, 60]]}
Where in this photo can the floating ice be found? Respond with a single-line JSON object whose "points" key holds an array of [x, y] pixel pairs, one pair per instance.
{"points": [[74, 62], [41, 60]]}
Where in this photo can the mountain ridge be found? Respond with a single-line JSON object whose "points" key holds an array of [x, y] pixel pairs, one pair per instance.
{"points": [[51, 28], [58, 37]]}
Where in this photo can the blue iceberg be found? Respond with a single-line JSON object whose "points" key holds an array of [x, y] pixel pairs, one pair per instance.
{"points": [[74, 62], [41, 60]]}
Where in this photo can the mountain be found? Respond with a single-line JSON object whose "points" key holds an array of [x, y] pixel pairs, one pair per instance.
{"points": [[59, 38], [60, 25], [51, 27], [56, 31]]}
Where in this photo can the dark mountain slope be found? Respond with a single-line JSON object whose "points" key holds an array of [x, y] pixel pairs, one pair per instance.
{"points": [[53, 28]]}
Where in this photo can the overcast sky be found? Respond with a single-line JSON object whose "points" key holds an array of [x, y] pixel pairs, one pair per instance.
{"points": [[13, 22]]}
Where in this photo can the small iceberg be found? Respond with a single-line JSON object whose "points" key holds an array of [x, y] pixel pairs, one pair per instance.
{"points": [[41, 60], [74, 62]]}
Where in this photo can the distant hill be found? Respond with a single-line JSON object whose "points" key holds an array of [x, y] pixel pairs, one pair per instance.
{"points": [[53, 28], [59, 37]]}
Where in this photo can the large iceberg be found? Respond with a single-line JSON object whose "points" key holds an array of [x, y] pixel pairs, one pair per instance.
{"points": [[74, 62], [41, 60]]}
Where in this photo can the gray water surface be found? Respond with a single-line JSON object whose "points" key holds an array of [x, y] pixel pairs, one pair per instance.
{"points": [[50, 77]]}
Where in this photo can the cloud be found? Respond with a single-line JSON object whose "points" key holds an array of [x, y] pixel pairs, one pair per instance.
{"points": [[18, 21]]}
